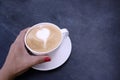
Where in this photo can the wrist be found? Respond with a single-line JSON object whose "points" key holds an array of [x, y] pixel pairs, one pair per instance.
{"points": [[5, 75]]}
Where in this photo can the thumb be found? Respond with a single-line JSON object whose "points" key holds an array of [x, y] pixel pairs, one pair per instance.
{"points": [[39, 59]]}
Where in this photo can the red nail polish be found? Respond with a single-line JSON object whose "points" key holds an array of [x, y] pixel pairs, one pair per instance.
{"points": [[46, 59]]}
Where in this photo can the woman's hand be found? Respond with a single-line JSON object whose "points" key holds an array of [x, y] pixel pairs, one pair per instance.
{"points": [[18, 59]]}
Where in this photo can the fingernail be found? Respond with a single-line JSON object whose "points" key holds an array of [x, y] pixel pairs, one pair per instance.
{"points": [[46, 59]]}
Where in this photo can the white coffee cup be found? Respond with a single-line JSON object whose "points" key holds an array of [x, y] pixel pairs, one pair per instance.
{"points": [[64, 34]]}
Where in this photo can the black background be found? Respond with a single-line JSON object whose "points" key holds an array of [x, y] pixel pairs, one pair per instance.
{"points": [[94, 27]]}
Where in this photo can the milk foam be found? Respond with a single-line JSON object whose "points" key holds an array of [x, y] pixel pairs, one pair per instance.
{"points": [[43, 34]]}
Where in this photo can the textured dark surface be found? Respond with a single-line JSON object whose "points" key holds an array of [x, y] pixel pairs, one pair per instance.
{"points": [[94, 27]]}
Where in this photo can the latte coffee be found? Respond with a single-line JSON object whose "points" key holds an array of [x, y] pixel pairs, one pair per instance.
{"points": [[43, 37]]}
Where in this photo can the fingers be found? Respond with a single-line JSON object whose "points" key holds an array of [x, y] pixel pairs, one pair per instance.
{"points": [[20, 37], [22, 33], [39, 59]]}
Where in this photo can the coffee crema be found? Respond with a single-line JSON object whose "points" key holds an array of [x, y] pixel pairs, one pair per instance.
{"points": [[43, 38]]}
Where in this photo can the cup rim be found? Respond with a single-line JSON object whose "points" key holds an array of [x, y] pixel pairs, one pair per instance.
{"points": [[42, 53]]}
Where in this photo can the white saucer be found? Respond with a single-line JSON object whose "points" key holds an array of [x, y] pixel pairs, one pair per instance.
{"points": [[58, 58]]}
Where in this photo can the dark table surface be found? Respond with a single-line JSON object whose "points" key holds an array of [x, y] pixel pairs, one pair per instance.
{"points": [[94, 27]]}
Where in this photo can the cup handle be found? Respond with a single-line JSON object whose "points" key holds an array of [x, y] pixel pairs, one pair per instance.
{"points": [[65, 33]]}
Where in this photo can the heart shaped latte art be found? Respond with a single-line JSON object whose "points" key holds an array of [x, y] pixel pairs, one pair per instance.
{"points": [[43, 34]]}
